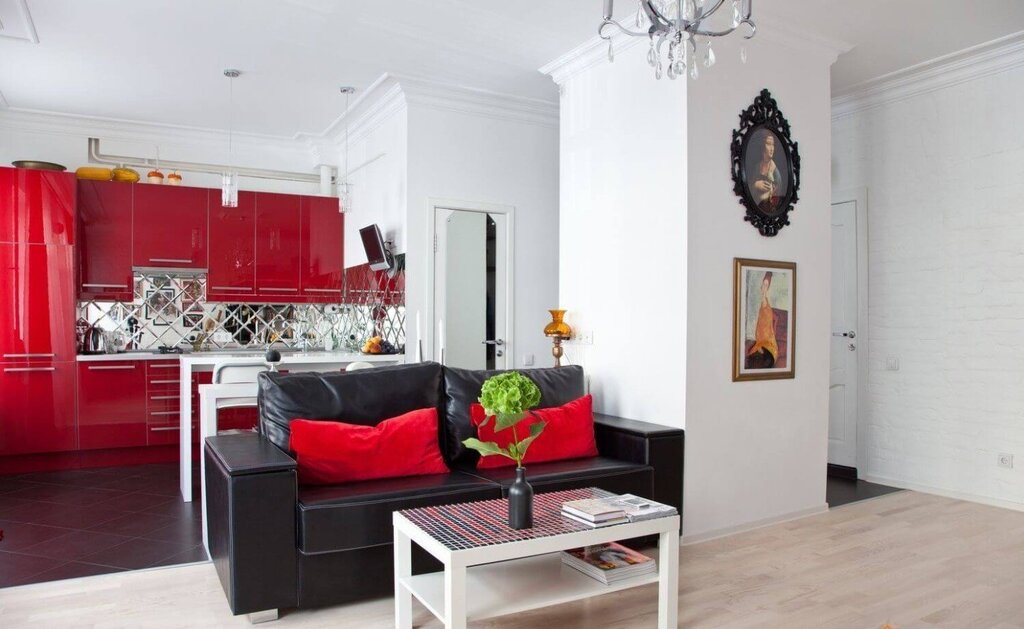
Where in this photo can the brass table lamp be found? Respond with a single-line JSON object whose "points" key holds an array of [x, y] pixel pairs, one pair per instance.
{"points": [[557, 331]]}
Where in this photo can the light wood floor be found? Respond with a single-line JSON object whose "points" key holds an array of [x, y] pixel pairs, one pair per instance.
{"points": [[908, 559]]}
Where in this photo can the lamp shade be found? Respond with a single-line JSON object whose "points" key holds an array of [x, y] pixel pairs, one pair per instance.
{"points": [[557, 327]]}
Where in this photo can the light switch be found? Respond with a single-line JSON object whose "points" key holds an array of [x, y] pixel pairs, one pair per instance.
{"points": [[892, 363], [528, 360]]}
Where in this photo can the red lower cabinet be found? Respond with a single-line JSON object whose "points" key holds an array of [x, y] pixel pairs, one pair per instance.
{"points": [[111, 404], [37, 408]]}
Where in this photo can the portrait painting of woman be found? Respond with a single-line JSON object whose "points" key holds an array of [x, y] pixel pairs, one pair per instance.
{"points": [[764, 319], [766, 171]]}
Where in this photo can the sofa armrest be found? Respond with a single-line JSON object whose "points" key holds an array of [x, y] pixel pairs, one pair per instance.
{"points": [[251, 501], [661, 447]]}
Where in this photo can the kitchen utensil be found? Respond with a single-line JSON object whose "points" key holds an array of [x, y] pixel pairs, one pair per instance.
{"points": [[94, 173], [95, 341], [155, 176], [37, 165], [174, 179]]}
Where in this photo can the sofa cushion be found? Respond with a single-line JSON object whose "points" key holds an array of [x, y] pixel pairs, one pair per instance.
{"points": [[618, 477], [557, 386], [357, 515], [365, 397], [329, 453], [568, 434]]}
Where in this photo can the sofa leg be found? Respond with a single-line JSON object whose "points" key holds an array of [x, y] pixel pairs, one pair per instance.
{"points": [[267, 615]]}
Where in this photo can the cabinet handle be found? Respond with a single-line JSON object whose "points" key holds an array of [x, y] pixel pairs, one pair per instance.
{"points": [[165, 381], [165, 413], [124, 286], [164, 366], [230, 288], [321, 290], [170, 260], [282, 290], [165, 428], [109, 367], [28, 355], [23, 369], [163, 397]]}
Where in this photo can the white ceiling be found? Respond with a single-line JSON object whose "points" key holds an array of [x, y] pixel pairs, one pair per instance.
{"points": [[161, 60]]}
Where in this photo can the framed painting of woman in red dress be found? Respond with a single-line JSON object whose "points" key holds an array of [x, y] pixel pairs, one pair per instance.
{"points": [[764, 319]]}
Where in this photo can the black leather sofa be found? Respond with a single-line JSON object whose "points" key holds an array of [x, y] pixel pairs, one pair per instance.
{"points": [[276, 544]]}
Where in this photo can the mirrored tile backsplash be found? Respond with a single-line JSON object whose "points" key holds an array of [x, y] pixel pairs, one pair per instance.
{"points": [[171, 310]]}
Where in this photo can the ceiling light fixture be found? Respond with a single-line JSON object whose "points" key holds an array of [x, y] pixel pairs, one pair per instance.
{"points": [[344, 187], [229, 179], [680, 23]]}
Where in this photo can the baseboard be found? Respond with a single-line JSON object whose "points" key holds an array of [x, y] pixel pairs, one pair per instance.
{"points": [[750, 526], [945, 493], [842, 471]]}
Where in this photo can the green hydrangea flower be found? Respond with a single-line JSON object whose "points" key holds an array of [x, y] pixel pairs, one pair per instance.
{"points": [[507, 397]]}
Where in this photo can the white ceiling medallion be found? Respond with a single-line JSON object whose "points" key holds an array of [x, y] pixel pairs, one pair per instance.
{"points": [[688, 26], [16, 21]]}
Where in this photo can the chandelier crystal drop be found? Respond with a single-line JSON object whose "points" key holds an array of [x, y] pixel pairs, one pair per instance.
{"points": [[672, 25]]}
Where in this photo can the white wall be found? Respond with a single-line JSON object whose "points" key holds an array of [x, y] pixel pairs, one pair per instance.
{"points": [[756, 450], [622, 250], [944, 171], [492, 159]]}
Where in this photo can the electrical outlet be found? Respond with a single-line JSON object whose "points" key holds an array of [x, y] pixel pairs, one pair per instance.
{"points": [[584, 337], [1004, 460], [528, 360], [892, 363]]}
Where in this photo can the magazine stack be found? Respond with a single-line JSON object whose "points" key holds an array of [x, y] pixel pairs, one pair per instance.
{"points": [[598, 512], [609, 563]]}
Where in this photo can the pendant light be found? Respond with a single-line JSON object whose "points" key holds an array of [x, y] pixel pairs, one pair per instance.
{"points": [[344, 187], [229, 179]]}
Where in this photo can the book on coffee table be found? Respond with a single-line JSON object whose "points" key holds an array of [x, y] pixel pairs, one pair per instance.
{"points": [[615, 509], [594, 510], [609, 563]]}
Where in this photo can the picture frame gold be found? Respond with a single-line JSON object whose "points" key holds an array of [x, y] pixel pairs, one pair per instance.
{"points": [[764, 320]]}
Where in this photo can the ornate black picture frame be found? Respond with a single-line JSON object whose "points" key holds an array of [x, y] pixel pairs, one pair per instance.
{"points": [[765, 165]]}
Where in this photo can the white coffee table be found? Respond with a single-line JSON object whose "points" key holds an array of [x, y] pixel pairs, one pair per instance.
{"points": [[471, 539]]}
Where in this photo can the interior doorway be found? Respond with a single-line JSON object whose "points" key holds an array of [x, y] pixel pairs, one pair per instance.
{"points": [[472, 295], [843, 376]]}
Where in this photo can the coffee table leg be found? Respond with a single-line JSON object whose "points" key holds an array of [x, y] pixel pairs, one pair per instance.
{"points": [[668, 580], [454, 596], [403, 568]]}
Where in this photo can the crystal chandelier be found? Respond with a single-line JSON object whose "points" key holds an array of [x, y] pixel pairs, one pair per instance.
{"points": [[680, 23]]}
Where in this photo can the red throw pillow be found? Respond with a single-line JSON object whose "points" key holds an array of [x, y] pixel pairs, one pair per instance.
{"points": [[330, 452], [569, 434]]}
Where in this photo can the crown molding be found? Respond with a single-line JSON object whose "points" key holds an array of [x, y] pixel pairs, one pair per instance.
{"points": [[770, 29], [382, 99], [971, 63], [478, 102], [23, 25]]}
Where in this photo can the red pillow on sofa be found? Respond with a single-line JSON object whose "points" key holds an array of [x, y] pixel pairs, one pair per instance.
{"points": [[569, 434], [334, 452]]}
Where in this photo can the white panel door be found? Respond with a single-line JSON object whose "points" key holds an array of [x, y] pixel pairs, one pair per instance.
{"points": [[842, 409]]}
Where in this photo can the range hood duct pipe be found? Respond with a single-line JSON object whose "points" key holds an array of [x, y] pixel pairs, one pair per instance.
{"points": [[95, 157]]}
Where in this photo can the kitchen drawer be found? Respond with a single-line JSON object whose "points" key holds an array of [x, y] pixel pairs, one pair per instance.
{"points": [[162, 401], [163, 434], [111, 404]]}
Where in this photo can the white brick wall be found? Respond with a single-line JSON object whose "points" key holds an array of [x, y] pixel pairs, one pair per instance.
{"points": [[945, 177]]}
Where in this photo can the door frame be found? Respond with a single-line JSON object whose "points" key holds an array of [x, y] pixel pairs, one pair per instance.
{"points": [[436, 205], [860, 197]]}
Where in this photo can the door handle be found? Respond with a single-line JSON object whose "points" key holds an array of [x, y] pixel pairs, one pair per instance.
{"points": [[850, 335], [498, 342]]}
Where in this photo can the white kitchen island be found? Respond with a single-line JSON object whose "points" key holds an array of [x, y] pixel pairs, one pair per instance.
{"points": [[292, 361]]}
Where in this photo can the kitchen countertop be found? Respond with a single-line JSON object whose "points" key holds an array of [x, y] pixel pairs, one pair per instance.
{"points": [[210, 358]]}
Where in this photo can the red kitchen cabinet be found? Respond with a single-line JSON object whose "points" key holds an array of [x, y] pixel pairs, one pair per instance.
{"points": [[232, 274], [169, 226], [37, 305], [37, 206], [104, 234], [37, 408], [322, 250], [278, 247], [111, 404]]}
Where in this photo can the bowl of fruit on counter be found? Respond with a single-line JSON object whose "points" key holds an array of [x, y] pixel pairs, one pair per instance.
{"points": [[377, 345]]}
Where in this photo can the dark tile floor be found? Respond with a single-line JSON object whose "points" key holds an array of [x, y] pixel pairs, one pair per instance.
{"points": [[841, 491], [75, 523]]}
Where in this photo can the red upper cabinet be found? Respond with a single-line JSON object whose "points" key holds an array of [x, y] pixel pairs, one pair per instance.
{"points": [[37, 408], [104, 234], [37, 304], [169, 227], [232, 274], [278, 247], [323, 237], [37, 206], [111, 404]]}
